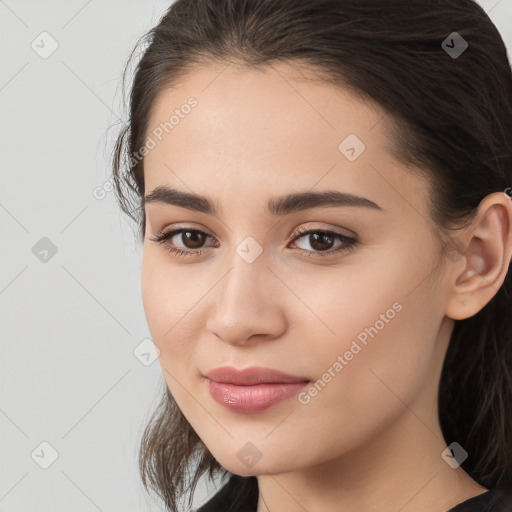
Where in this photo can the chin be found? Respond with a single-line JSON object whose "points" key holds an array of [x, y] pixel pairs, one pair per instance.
{"points": [[275, 465]]}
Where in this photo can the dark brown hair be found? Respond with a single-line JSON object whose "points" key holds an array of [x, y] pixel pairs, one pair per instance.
{"points": [[448, 115]]}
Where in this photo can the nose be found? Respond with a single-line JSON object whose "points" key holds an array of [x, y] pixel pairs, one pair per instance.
{"points": [[249, 303]]}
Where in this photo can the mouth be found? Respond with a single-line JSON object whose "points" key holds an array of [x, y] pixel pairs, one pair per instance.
{"points": [[252, 390]]}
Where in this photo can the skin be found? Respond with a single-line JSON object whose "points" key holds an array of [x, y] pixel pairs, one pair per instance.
{"points": [[370, 439]]}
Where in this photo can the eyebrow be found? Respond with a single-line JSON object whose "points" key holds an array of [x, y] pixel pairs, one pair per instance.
{"points": [[282, 205]]}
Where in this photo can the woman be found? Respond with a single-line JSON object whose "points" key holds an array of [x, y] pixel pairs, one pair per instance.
{"points": [[322, 191]]}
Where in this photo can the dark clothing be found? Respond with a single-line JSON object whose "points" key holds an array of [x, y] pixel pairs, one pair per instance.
{"points": [[223, 501], [493, 500]]}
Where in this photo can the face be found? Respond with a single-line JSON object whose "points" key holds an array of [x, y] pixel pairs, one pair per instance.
{"points": [[350, 305]]}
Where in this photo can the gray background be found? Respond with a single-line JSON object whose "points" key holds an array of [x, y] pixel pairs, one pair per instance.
{"points": [[72, 323]]}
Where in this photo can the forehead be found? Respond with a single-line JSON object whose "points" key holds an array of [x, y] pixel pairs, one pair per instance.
{"points": [[262, 131]]}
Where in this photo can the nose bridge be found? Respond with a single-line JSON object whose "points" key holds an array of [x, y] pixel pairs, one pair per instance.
{"points": [[244, 302], [248, 257], [246, 279]]}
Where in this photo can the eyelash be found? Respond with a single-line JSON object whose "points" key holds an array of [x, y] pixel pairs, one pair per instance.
{"points": [[350, 242]]}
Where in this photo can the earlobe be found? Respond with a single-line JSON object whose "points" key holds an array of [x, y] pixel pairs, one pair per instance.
{"points": [[487, 258]]}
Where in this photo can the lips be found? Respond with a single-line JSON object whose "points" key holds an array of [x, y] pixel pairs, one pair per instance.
{"points": [[253, 389], [251, 376]]}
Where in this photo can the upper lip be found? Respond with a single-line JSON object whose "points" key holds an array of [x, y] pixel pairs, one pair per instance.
{"points": [[252, 375]]}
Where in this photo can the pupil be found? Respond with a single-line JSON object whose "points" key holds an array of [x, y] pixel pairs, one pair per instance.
{"points": [[193, 236], [317, 237]]}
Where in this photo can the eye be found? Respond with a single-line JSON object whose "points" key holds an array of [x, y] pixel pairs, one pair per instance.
{"points": [[321, 241], [192, 239]]}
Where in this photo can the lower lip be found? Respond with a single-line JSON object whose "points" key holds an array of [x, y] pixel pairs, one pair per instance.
{"points": [[250, 399]]}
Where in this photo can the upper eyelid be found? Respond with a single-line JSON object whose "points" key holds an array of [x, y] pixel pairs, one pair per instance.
{"points": [[304, 231]]}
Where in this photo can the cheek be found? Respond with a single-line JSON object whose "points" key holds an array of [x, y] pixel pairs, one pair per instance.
{"points": [[381, 349], [154, 296], [170, 318], [169, 296]]}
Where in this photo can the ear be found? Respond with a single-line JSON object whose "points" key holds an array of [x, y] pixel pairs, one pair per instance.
{"points": [[485, 260]]}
